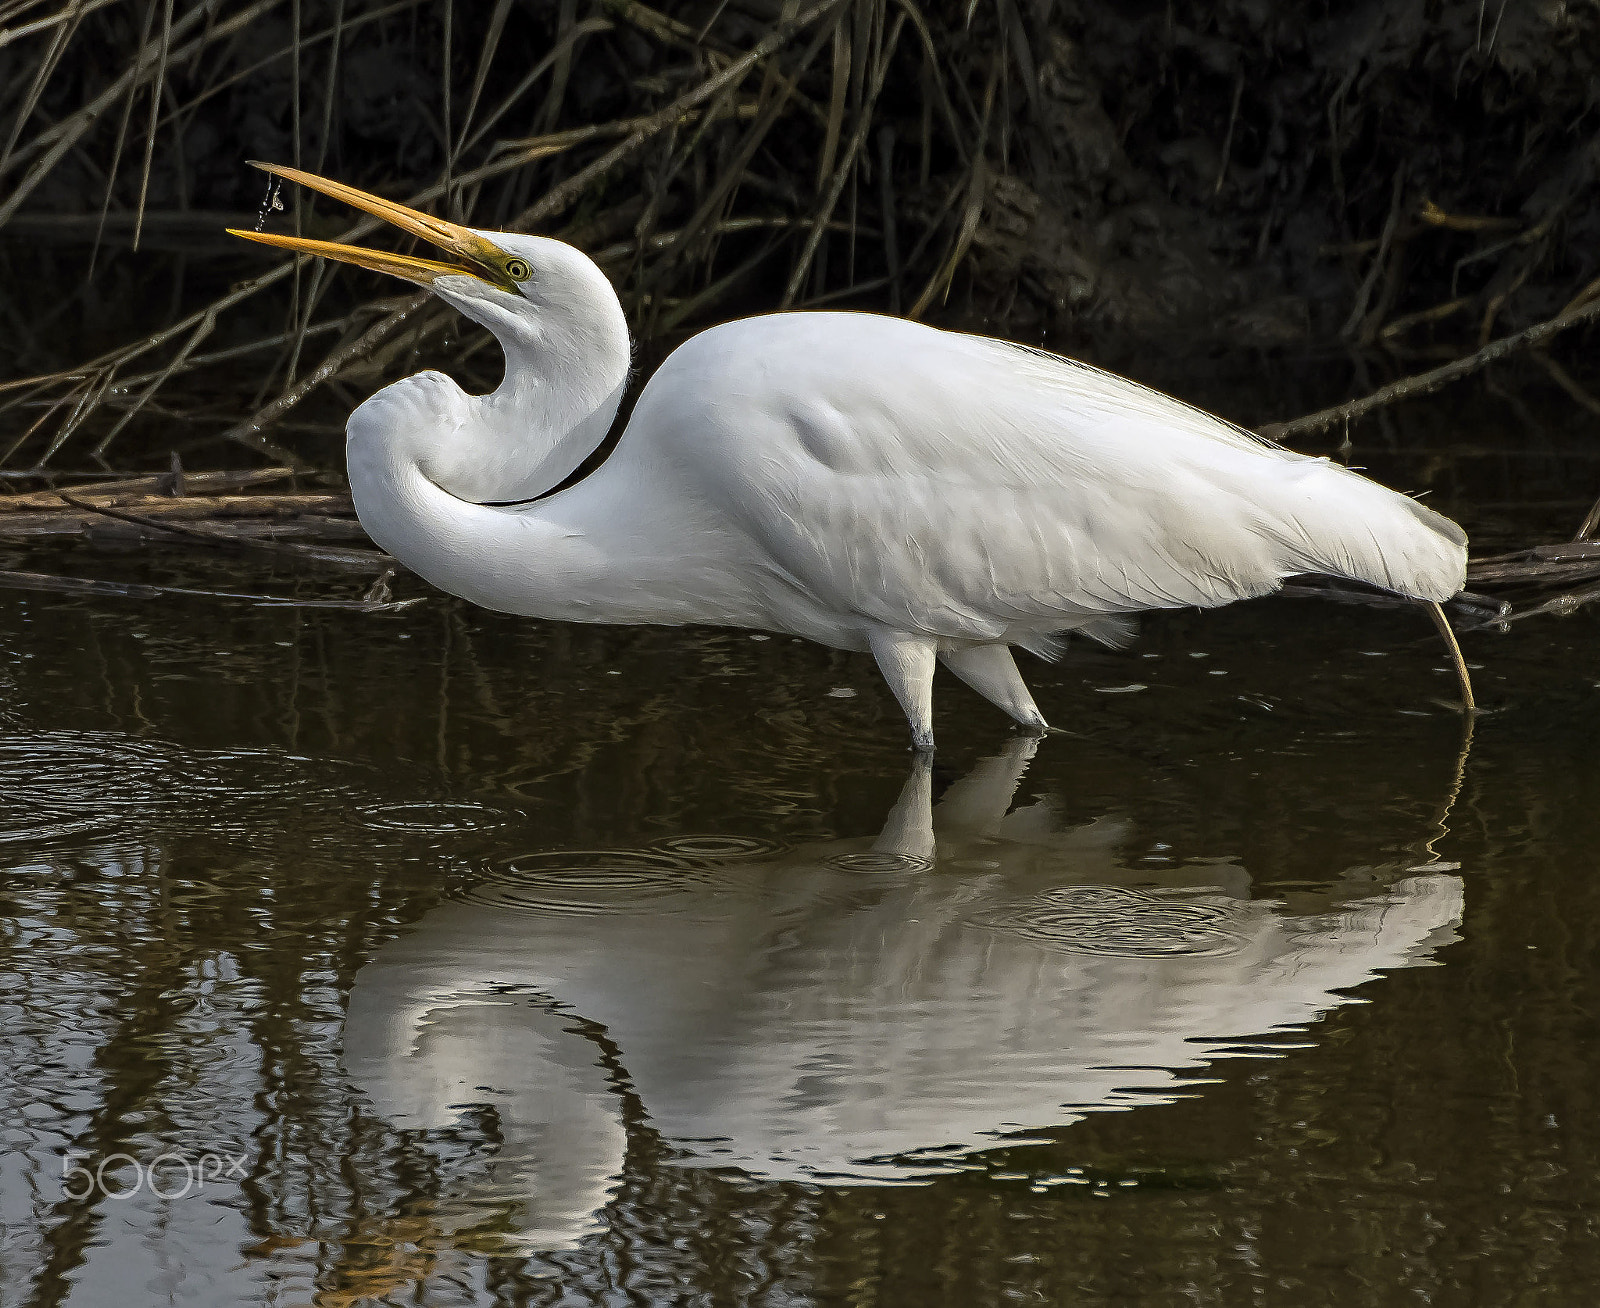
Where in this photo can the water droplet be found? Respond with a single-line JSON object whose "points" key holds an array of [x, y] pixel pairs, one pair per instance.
{"points": [[269, 202]]}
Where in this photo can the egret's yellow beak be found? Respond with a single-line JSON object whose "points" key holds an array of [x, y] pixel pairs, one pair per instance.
{"points": [[477, 256]]}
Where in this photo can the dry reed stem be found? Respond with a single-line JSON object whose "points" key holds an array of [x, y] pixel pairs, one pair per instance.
{"points": [[844, 172], [194, 483]]}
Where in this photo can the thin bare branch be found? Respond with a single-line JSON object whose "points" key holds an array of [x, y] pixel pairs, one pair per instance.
{"points": [[1426, 382]]}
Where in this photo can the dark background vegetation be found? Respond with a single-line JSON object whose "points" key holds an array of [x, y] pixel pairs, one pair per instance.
{"points": [[1392, 182]]}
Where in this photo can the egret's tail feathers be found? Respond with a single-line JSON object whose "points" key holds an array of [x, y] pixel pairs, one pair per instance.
{"points": [[1115, 632], [1049, 646], [1356, 529]]}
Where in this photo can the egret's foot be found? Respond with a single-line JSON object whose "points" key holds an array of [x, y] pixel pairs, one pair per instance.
{"points": [[992, 672]]}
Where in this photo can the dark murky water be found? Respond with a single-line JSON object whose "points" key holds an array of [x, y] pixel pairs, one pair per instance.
{"points": [[448, 958]]}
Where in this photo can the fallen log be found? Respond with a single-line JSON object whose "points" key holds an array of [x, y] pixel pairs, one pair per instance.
{"points": [[173, 484], [220, 537], [181, 507]]}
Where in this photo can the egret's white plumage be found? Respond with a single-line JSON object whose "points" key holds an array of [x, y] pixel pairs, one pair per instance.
{"points": [[862, 481]]}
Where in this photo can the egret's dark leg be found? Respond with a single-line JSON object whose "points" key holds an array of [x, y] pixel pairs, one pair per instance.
{"points": [[907, 665], [992, 672]]}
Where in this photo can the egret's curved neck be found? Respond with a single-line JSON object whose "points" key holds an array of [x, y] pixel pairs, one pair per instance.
{"points": [[428, 464], [622, 545], [566, 371]]}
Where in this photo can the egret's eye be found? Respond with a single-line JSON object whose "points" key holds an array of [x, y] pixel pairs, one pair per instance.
{"points": [[518, 270]]}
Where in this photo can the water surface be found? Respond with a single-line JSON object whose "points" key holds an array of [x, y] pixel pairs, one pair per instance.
{"points": [[492, 961]]}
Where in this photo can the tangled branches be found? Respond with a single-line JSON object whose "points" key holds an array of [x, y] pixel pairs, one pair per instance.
{"points": [[1411, 178], [733, 162]]}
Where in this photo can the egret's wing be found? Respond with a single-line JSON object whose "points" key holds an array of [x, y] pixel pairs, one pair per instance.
{"points": [[960, 486]]}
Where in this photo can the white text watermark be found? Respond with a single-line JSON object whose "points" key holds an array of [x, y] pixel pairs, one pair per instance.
{"points": [[170, 1175]]}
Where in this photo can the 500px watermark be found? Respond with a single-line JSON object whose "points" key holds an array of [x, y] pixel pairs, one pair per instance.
{"points": [[166, 1176]]}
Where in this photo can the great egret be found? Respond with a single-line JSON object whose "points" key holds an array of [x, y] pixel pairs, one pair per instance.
{"points": [[866, 482]]}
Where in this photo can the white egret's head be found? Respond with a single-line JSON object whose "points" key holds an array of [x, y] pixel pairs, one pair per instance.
{"points": [[514, 284], [538, 284]]}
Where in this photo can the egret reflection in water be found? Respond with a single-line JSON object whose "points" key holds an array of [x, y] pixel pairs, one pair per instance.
{"points": [[852, 1011]]}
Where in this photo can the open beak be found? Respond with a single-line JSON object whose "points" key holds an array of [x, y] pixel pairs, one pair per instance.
{"points": [[475, 256]]}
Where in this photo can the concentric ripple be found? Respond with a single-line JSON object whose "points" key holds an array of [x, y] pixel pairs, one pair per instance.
{"points": [[875, 862], [586, 882], [446, 817], [717, 849], [60, 784], [1119, 922], [595, 881]]}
